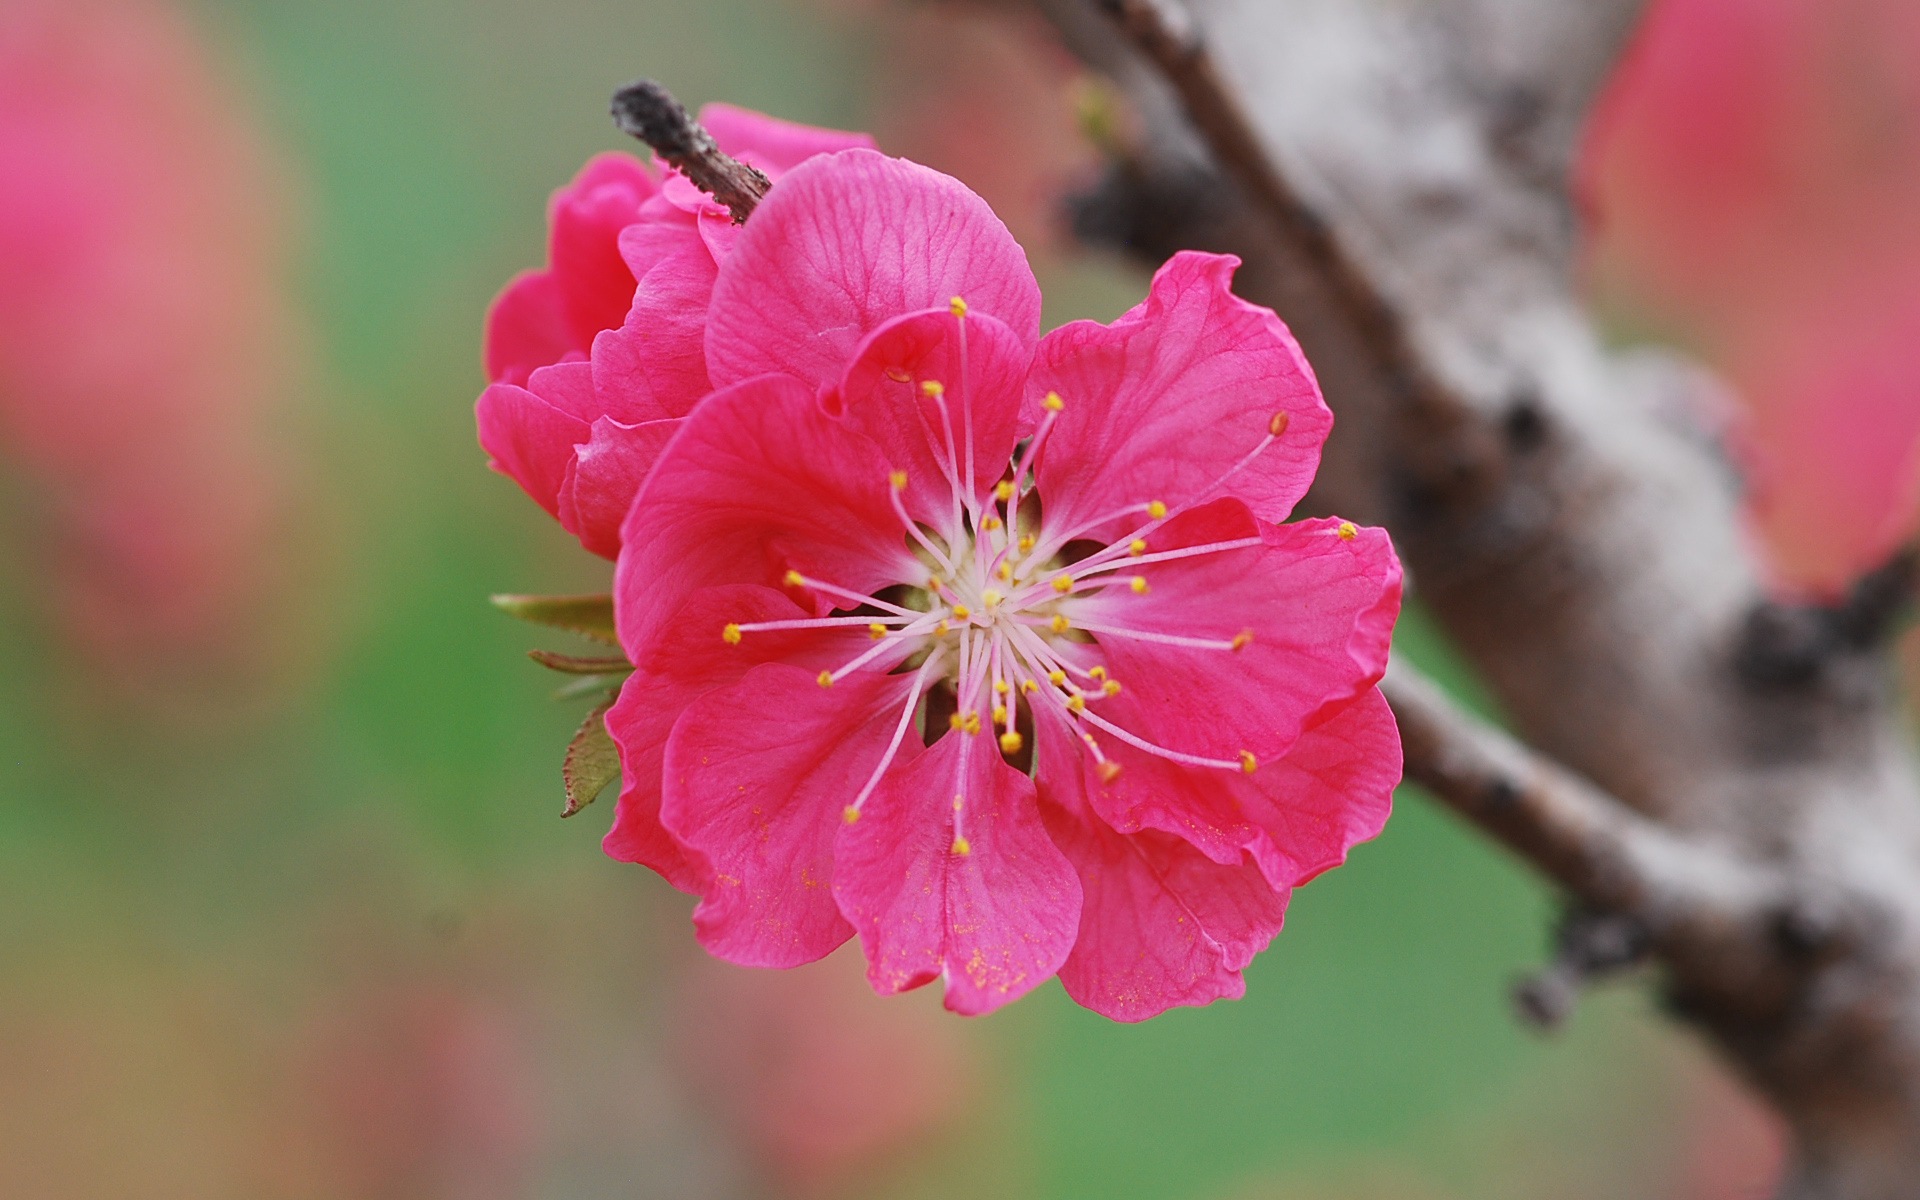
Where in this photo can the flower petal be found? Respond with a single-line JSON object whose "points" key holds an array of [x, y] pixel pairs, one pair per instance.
{"points": [[606, 474], [755, 779], [1319, 606], [1165, 401], [529, 440], [995, 921], [1161, 924], [842, 244], [584, 245], [757, 482], [654, 365], [527, 328], [979, 363], [775, 145], [1297, 816], [691, 661]]}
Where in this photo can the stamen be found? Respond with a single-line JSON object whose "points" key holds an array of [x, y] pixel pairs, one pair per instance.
{"points": [[1159, 751], [1137, 547], [732, 632], [796, 579], [1010, 742], [1164, 639], [1347, 531], [852, 812], [1095, 564], [1139, 585]]}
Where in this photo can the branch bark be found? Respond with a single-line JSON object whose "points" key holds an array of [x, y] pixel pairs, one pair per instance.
{"points": [[645, 110], [1738, 775]]}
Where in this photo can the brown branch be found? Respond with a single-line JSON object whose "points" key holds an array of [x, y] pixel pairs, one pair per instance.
{"points": [[645, 110], [1167, 36], [1602, 852]]}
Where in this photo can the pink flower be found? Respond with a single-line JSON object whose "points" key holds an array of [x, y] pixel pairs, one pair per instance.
{"points": [[1754, 167], [993, 653], [596, 357]]}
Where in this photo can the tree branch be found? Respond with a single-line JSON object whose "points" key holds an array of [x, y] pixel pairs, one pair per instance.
{"points": [[1610, 857], [645, 110]]}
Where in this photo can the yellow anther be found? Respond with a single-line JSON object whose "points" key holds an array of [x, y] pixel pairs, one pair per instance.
{"points": [[1005, 572], [899, 480], [1108, 771], [1057, 677], [1348, 531], [849, 814], [876, 631], [1098, 673], [1028, 687], [962, 847], [962, 611], [991, 599], [990, 522], [1111, 687], [898, 374], [1248, 762], [1053, 402], [1003, 491], [1026, 542], [1156, 509], [824, 679], [1076, 702], [795, 579], [1243, 639], [972, 724], [1000, 687], [957, 306], [1137, 547], [1139, 585], [1278, 424], [956, 722], [1010, 742], [1059, 624], [730, 635], [1063, 584], [942, 627], [999, 714], [1088, 739], [933, 387]]}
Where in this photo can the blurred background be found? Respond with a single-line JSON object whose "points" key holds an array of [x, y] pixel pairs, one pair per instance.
{"points": [[286, 908]]}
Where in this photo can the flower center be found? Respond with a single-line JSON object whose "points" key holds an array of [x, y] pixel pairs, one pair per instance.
{"points": [[1005, 622]]}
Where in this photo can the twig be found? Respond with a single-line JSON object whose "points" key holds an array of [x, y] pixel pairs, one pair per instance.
{"points": [[1167, 36], [645, 110], [1609, 857]]}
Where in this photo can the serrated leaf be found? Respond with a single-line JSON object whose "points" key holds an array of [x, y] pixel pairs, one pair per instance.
{"points": [[591, 763], [588, 616], [574, 664]]}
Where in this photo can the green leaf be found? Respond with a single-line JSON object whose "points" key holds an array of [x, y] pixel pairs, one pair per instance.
{"points": [[588, 616], [573, 664], [591, 763], [587, 685]]}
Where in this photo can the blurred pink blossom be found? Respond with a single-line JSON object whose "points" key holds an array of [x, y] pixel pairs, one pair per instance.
{"points": [[816, 1075], [145, 330], [1755, 171]]}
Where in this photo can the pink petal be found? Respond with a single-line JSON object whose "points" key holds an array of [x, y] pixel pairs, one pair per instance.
{"points": [[690, 661], [606, 475], [1320, 609], [1297, 816], [527, 328], [995, 922], [529, 440], [755, 780], [981, 364], [776, 145], [584, 245], [758, 481], [846, 242], [1165, 401], [1161, 924], [654, 365]]}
